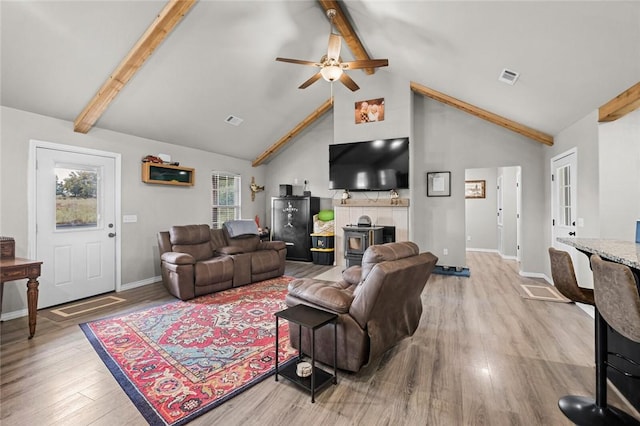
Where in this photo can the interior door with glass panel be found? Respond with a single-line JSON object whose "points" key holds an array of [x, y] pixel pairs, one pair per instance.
{"points": [[75, 225], [563, 200]]}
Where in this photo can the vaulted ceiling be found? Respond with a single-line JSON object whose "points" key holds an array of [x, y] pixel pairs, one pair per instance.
{"points": [[220, 60]]}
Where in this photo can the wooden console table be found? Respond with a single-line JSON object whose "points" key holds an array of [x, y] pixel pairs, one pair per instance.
{"points": [[19, 269]]}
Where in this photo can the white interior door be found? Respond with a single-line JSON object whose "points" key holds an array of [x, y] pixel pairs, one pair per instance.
{"points": [[75, 225], [564, 181], [518, 212], [500, 215]]}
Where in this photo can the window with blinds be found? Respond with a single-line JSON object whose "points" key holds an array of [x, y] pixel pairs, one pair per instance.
{"points": [[225, 198]]}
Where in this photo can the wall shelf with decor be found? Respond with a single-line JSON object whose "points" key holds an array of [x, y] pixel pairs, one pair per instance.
{"points": [[167, 174]]}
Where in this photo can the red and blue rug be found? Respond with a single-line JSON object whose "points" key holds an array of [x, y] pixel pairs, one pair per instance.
{"points": [[178, 361]]}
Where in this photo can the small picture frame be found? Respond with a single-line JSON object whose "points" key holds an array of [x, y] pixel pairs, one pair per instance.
{"points": [[438, 184], [474, 189]]}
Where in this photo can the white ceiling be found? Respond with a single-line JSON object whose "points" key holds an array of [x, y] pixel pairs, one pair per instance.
{"points": [[572, 57]]}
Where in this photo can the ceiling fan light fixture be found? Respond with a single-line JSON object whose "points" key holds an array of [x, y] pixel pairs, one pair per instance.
{"points": [[331, 73]]}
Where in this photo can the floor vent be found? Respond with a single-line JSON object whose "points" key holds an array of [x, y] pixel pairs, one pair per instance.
{"points": [[508, 76], [233, 120]]}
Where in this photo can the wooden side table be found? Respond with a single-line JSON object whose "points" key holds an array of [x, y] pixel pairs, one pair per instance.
{"points": [[313, 319], [12, 269]]}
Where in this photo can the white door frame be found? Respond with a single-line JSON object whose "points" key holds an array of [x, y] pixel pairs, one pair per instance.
{"points": [[31, 196], [574, 202]]}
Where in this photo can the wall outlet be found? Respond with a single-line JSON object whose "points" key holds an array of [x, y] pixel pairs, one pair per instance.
{"points": [[445, 251], [468, 237]]}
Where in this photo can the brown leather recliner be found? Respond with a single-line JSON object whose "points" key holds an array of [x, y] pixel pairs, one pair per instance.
{"points": [[378, 304], [197, 260]]}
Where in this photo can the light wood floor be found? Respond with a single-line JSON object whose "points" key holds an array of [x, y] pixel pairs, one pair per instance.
{"points": [[481, 356]]}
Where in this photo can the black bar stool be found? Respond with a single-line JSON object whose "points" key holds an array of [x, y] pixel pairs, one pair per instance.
{"points": [[617, 304]]}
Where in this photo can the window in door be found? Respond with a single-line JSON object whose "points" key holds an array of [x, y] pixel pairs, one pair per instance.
{"points": [[76, 197], [564, 195], [225, 195]]}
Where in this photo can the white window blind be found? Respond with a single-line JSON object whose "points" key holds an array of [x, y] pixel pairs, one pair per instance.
{"points": [[225, 198]]}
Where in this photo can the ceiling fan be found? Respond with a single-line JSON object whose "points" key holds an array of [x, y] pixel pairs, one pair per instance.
{"points": [[331, 66]]}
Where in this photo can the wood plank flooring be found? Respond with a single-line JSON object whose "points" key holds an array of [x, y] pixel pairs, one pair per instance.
{"points": [[482, 355]]}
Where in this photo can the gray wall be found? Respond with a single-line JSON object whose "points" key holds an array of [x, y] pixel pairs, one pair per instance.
{"points": [[447, 139], [582, 135], [157, 206], [619, 161], [442, 139]]}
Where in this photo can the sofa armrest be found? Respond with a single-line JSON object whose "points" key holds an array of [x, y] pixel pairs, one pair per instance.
{"points": [[229, 250], [320, 293], [352, 274], [178, 258], [271, 245]]}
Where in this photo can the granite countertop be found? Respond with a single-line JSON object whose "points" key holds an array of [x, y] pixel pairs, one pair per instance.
{"points": [[625, 252]]}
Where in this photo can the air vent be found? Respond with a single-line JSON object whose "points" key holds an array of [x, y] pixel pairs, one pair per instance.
{"points": [[508, 76], [233, 120]]}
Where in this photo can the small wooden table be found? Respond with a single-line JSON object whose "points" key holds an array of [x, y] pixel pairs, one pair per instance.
{"points": [[19, 269]]}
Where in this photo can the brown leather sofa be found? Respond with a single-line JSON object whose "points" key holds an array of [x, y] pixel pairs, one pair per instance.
{"points": [[378, 304], [197, 260]]}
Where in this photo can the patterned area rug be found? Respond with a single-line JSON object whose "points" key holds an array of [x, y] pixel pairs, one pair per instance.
{"points": [[180, 360]]}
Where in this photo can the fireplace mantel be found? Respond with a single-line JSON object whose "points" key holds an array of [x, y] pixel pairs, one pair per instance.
{"points": [[365, 202]]}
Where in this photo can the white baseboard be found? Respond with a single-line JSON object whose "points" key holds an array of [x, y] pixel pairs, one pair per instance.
{"points": [[136, 284], [536, 275], [483, 250], [6, 316]]}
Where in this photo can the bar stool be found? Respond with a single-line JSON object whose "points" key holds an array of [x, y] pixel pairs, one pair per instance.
{"points": [[564, 278], [617, 304]]}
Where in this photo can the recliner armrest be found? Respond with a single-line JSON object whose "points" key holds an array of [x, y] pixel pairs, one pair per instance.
{"points": [[229, 250], [352, 274], [330, 296], [271, 245], [178, 258]]}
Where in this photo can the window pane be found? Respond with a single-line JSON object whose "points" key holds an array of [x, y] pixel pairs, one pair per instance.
{"points": [[225, 198], [76, 198]]}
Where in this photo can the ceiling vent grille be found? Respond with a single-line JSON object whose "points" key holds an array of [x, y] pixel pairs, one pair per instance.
{"points": [[233, 120], [508, 76]]}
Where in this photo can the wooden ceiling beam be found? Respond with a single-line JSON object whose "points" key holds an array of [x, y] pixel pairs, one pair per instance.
{"points": [[342, 24], [484, 114], [621, 105], [164, 23], [319, 112]]}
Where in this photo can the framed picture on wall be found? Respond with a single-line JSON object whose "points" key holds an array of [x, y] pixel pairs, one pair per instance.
{"points": [[474, 189], [369, 111], [438, 184]]}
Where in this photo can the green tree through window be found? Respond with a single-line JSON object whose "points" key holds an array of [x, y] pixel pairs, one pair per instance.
{"points": [[225, 196]]}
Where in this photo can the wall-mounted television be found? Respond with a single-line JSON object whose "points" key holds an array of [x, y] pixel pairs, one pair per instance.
{"points": [[375, 165]]}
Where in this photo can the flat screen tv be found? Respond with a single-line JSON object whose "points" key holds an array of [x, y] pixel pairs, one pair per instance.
{"points": [[376, 165]]}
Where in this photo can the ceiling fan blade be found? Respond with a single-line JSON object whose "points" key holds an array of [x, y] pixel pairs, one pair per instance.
{"points": [[299, 61], [366, 63], [333, 52], [312, 80], [347, 81]]}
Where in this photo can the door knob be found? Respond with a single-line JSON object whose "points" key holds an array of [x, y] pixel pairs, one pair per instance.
{"points": [[572, 233], [112, 234]]}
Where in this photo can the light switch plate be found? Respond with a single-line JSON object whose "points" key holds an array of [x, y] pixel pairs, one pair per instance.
{"points": [[129, 218]]}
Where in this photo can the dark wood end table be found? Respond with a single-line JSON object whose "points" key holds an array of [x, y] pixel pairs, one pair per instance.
{"points": [[313, 319], [12, 269]]}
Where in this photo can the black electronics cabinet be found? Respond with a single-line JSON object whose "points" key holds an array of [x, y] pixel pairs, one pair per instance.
{"points": [[292, 222]]}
